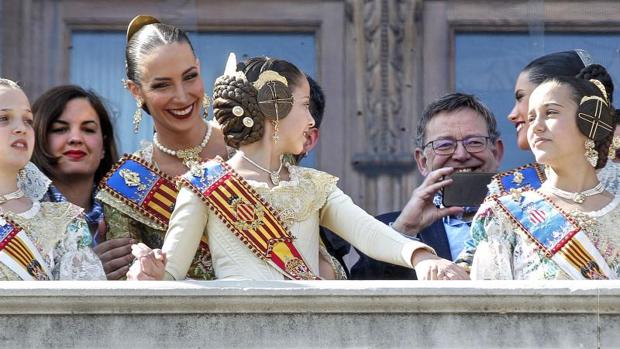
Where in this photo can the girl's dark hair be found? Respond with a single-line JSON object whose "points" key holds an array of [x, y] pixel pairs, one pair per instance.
{"points": [[581, 86], [49, 107], [566, 63], [231, 91], [145, 40]]}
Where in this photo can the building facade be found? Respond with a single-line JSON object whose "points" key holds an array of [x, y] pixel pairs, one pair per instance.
{"points": [[379, 61]]}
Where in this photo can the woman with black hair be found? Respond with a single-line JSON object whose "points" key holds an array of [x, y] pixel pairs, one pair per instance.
{"points": [[75, 149], [566, 229], [557, 64], [138, 194]]}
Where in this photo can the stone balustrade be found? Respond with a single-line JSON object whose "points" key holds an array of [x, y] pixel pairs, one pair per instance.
{"points": [[323, 314]]}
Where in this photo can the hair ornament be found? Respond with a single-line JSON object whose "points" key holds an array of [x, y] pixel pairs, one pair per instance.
{"points": [[601, 87], [593, 117], [267, 76], [238, 111], [138, 22], [231, 67], [585, 57]]}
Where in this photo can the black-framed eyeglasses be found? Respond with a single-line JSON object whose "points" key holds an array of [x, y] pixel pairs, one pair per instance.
{"points": [[447, 146]]}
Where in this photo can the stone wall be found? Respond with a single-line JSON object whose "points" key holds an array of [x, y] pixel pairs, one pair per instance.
{"points": [[310, 314]]}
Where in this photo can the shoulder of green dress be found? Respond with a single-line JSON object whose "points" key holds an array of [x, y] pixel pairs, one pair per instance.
{"points": [[137, 188]]}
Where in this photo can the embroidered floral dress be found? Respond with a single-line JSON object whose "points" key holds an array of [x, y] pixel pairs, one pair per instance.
{"points": [[61, 237], [504, 251], [123, 221], [309, 199], [608, 175]]}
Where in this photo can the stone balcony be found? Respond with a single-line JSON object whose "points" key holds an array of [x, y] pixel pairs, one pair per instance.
{"points": [[323, 314]]}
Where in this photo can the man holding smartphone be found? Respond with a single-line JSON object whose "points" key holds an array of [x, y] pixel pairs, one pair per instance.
{"points": [[456, 134]]}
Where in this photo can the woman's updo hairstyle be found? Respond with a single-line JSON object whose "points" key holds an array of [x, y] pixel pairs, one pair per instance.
{"points": [[236, 97], [144, 34], [589, 88], [565, 63]]}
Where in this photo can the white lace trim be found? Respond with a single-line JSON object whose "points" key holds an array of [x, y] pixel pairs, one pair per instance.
{"points": [[34, 183]]}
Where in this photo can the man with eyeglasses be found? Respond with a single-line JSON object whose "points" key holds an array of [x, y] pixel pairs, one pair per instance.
{"points": [[456, 133]]}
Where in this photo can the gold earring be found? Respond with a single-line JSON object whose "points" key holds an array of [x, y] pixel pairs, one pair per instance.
{"points": [[137, 115], [206, 102], [613, 147], [276, 134], [591, 153]]}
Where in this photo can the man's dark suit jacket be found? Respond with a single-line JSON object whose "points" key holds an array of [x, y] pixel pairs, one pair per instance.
{"points": [[371, 269]]}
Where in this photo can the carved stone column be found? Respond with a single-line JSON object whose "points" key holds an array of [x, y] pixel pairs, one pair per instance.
{"points": [[385, 36]]}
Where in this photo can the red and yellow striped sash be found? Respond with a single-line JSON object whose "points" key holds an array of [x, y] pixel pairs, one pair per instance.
{"points": [[249, 217]]}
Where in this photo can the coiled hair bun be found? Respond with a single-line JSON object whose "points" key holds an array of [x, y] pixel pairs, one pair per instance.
{"points": [[230, 92]]}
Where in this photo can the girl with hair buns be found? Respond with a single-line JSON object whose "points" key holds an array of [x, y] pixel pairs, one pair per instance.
{"points": [[557, 64], [566, 228], [138, 194], [39, 240], [261, 216]]}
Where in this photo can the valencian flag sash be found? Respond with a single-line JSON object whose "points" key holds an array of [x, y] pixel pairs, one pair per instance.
{"points": [[556, 234], [142, 187], [248, 216], [20, 254], [527, 176]]}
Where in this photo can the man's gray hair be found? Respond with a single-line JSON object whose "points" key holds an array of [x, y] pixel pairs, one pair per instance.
{"points": [[453, 102]]}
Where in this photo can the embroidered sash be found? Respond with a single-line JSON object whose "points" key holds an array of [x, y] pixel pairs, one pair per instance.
{"points": [[143, 188], [556, 234], [248, 216], [20, 254], [527, 176]]}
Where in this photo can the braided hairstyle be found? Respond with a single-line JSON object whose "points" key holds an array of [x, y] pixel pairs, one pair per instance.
{"points": [[238, 91], [581, 86]]}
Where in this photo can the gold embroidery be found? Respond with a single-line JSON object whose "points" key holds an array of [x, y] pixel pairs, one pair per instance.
{"points": [[132, 179], [517, 177]]}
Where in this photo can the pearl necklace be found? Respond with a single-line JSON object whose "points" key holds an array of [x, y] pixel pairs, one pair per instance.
{"points": [[274, 176], [577, 197], [191, 156], [18, 194]]}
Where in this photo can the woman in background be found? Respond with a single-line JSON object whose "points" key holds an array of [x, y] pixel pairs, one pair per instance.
{"points": [[75, 148]]}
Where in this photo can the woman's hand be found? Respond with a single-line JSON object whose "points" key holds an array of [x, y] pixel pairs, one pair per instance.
{"points": [[115, 255], [149, 264], [431, 267]]}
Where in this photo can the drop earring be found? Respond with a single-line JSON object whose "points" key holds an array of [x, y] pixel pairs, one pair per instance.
{"points": [[591, 153], [137, 115]]}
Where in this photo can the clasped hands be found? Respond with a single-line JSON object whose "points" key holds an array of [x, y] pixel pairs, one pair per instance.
{"points": [[149, 264]]}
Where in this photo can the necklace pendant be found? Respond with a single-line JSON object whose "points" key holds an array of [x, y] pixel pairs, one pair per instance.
{"points": [[275, 178], [579, 198]]}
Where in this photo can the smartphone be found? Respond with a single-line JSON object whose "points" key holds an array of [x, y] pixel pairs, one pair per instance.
{"points": [[467, 189]]}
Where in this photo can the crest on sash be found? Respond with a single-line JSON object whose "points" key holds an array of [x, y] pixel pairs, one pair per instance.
{"points": [[528, 176], [556, 234], [19, 253], [248, 216], [143, 188]]}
